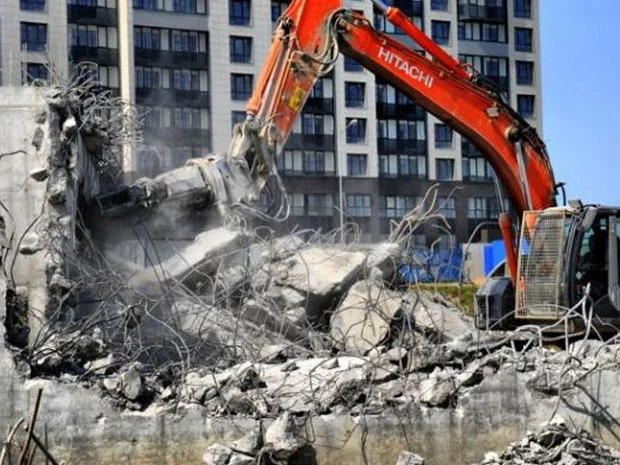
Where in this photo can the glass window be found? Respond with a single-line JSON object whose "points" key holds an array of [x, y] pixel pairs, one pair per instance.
{"points": [[481, 31], [525, 73], [523, 8], [443, 136], [312, 124], [277, 9], [477, 208], [239, 12], [525, 105], [440, 32], [319, 204], [447, 207], [184, 41], [397, 206], [145, 5], [358, 205], [444, 168], [241, 86], [357, 164], [237, 117], [523, 39], [184, 6], [32, 5], [33, 37], [439, 5], [240, 49], [35, 72], [351, 65], [355, 94], [147, 38], [408, 166], [356, 130]]}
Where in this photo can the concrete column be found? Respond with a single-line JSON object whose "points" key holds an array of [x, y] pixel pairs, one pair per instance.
{"points": [[126, 70]]}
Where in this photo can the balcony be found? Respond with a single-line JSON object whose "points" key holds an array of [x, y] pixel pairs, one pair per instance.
{"points": [[408, 111], [490, 14], [100, 55], [387, 145], [311, 141], [171, 97], [319, 105], [94, 15], [149, 57]]}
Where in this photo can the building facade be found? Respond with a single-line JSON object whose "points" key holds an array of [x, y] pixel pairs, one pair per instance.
{"points": [[359, 147]]}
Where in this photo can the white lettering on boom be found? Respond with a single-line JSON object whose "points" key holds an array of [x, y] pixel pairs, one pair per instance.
{"points": [[404, 66]]}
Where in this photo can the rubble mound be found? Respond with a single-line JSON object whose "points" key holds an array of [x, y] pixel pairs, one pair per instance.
{"points": [[556, 444]]}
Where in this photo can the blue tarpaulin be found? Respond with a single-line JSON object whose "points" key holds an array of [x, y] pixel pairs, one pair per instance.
{"points": [[427, 266]]}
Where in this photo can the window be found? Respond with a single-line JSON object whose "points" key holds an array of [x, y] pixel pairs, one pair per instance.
{"points": [[83, 36], [184, 6], [237, 117], [239, 12], [525, 105], [241, 86], [152, 117], [447, 207], [358, 205], [319, 204], [148, 78], [351, 65], [477, 208], [297, 203], [83, 2], [355, 94], [444, 168], [186, 79], [187, 118], [356, 130], [35, 72], [523, 39], [396, 206], [479, 31], [32, 5], [312, 124], [477, 169], [277, 9], [33, 37], [409, 166], [443, 136], [184, 41], [357, 164], [440, 32], [306, 162], [147, 38], [145, 5], [523, 8], [493, 68], [439, 5], [240, 49], [525, 73]]}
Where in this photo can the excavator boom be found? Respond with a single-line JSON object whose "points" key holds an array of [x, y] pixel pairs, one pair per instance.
{"points": [[306, 43]]}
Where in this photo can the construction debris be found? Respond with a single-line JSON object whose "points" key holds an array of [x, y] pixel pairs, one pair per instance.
{"points": [[556, 444]]}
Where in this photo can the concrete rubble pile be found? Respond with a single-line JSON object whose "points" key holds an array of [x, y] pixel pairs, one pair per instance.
{"points": [[555, 444]]}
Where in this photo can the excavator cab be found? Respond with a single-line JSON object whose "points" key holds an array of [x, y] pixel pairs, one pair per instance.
{"points": [[566, 254]]}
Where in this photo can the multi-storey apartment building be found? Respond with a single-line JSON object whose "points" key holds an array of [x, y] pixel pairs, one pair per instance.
{"points": [[360, 146]]}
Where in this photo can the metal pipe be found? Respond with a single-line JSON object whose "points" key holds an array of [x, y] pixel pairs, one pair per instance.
{"points": [[401, 20], [505, 225], [382, 6]]}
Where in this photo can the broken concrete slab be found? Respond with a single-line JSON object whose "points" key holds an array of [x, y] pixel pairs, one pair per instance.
{"points": [[438, 389], [282, 437], [362, 320], [386, 257], [436, 319], [217, 455], [409, 458]]}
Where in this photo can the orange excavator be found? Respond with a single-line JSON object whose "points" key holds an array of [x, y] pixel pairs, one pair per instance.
{"points": [[565, 254]]}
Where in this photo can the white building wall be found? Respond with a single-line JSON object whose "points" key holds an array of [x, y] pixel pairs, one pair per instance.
{"points": [[12, 57]]}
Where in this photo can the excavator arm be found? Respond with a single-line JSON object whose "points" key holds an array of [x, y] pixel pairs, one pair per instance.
{"points": [[306, 43]]}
